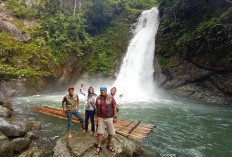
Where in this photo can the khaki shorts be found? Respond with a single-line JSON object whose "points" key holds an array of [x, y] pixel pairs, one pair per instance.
{"points": [[105, 123]]}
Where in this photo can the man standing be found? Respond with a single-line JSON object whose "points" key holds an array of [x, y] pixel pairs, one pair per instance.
{"points": [[117, 98], [106, 115], [70, 105]]}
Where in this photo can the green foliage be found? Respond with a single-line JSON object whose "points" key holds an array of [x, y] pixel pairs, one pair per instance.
{"points": [[64, 34], [20, 59], [164, 61], [109, 47], [19, 10], [98, 14], [201, 33]]}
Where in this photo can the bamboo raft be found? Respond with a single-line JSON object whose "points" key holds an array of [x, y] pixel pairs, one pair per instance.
{"points": [[134, 130]]}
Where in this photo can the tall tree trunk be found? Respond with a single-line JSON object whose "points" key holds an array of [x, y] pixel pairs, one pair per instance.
{"points": [[75, 7]]}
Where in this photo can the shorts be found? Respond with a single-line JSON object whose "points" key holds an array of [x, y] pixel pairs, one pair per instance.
{"points": [[106, 123]]}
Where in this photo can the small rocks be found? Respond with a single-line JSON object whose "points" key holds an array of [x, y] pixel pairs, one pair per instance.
{"points": [[33, 134], [32, 152], [5, 108], [4, 112], [32, 126], [6, 103]]}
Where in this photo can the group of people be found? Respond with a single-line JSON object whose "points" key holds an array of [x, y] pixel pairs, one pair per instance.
{"points": [[103, 108]]}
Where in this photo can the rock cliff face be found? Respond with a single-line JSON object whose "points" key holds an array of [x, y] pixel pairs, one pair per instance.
{"points": [[7, 25], [193, 50]]}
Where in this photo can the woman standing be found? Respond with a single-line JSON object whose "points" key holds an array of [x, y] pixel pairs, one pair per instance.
{"points": [[90, 99]]}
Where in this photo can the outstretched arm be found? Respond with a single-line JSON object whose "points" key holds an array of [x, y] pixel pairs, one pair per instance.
{"points": [[82, 91]]}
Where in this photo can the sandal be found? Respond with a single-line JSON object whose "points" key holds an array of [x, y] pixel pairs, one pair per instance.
{"points": [[97, 152], [110, 148]]}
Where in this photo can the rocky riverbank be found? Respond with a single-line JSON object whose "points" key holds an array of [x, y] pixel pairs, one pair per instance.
{"points": [[16, 136], [83, 145]]}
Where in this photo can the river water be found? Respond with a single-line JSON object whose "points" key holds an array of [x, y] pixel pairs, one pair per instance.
{"points": [[187, 129]]}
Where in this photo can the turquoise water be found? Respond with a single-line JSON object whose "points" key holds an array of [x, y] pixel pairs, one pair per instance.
{"points": [[184, 128]]}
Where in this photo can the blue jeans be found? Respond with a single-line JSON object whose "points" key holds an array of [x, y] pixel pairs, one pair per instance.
{"points": [[89, 114], [69, 116]]}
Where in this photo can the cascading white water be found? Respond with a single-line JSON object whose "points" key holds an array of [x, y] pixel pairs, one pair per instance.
{"points": [[135, 78]]}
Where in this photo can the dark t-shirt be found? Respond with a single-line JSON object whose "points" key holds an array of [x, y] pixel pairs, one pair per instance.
{"points": [[103, 106]]}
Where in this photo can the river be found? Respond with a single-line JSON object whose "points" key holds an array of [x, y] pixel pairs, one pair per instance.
{"points": [[184, 128]]}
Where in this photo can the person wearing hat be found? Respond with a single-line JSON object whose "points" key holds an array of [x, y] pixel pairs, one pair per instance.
{"points": [[70, 105], [106, 116]]}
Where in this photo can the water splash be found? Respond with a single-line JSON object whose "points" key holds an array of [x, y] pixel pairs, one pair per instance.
{"points": [[135, 78]]}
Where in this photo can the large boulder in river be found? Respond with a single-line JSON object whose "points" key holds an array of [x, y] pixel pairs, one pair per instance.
{"points": [[20, 144], [6, 148], [15, 128], [83, 145]]}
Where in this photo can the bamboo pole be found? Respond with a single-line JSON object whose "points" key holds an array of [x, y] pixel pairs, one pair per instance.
{"points": [[130, 129]]}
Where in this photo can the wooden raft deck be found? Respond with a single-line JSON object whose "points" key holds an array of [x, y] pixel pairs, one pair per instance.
{"points": [[130, 129]]}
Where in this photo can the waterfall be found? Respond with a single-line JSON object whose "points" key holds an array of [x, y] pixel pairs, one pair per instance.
{"points": [[135, 78]]}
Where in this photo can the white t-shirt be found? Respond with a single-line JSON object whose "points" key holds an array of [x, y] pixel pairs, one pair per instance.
{"points": [[85, 94]]}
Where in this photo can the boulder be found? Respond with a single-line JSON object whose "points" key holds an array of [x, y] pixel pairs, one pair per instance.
{"points": [[20, 144], [83, 145], [33, 134], [4, 112], [32, 126], [6, 103], [32, 152], [6, 149], [15, 128], [3, 137]]}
